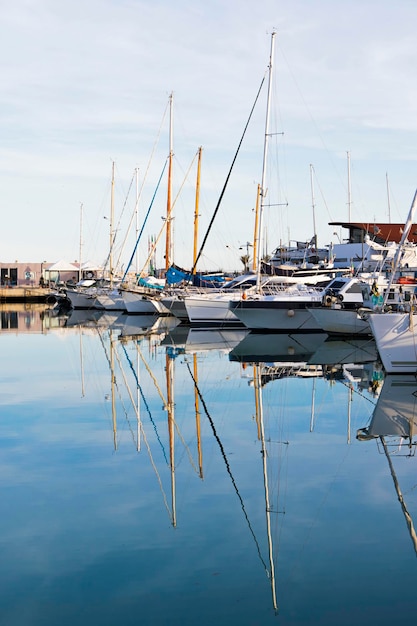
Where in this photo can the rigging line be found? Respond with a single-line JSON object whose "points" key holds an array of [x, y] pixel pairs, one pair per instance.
{"points": [[108, 358], [144, 222], [400, 497], [120, 220], [348, 385], [138, 385], [166, 220], [228, 467], [155, 469], [144, 180], [227, 179], [175, 422]]}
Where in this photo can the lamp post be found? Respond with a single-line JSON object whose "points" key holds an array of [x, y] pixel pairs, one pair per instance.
{"points": [[246, 258]]}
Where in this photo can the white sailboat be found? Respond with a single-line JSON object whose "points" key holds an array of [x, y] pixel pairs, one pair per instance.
{"points": [[286, 308], [395, 332]]}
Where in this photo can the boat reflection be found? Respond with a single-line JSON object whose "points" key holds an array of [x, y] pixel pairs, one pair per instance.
{"points": [[267, 347], [393, 425], [191, 340]]}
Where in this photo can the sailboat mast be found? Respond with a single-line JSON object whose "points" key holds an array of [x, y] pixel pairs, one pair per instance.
{"points": [[256, 234], [313, 205], [265, 156], [168, 243], [197, 203], [81, 244], [111, 227]]}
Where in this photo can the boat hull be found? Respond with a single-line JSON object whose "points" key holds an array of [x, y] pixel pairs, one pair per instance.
{"points": [[139, 303], [279, 315], [210, 311], [396, 340], [340, 321], [83, 300]]}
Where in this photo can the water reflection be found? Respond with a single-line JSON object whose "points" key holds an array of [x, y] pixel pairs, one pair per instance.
{"points": [[393, 425], [33, 318], [158, 474]]}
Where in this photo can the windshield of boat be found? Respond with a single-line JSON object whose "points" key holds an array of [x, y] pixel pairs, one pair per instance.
{"points": [[241, 282]]}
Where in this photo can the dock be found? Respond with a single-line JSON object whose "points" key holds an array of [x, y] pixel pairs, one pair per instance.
{"points": [[27, 294]]}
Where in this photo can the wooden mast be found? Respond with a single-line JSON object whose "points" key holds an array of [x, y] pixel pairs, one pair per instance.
{"points": [[256, 234], [168, 243], [196, 214]]}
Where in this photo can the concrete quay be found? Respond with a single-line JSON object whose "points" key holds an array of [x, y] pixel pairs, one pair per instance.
{"points": [[27, 294]]}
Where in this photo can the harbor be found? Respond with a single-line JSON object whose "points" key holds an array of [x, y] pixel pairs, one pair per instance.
{"points": [[256, 471], [208, 314]]}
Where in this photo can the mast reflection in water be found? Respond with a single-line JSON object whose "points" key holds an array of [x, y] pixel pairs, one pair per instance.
{"points": [[169, 476]]}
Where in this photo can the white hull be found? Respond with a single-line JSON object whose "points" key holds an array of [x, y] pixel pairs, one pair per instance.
{"points": [[396, 339], [83, 299], [210, 310], [277, 313], [340, 321], [139, 303], [111, 301], [176, 306]]}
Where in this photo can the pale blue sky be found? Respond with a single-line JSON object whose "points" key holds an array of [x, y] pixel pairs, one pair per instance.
{"points": [[85, 83]]}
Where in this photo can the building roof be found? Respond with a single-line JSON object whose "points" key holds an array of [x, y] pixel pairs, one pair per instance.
{"points": [[382, 232]]}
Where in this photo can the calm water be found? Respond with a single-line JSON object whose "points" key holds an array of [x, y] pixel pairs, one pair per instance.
{"points": [[134, 489]]}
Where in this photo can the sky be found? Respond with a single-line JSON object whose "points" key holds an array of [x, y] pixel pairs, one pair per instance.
{"points": [[86, 85]]}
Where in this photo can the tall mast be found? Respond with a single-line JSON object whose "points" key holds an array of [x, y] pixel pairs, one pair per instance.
{"points": [[263, 190], [313, 205], [256, 233], [197, 202], [111, 226], [80, 271], [168, 243]]}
